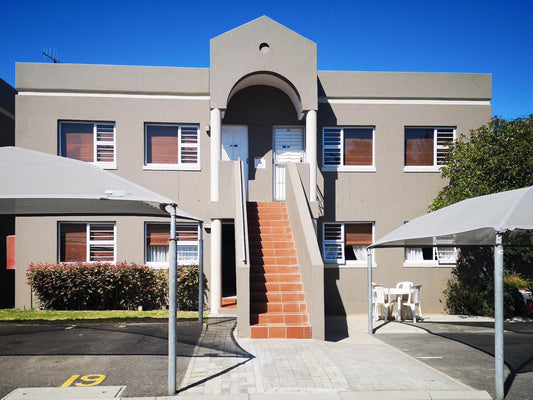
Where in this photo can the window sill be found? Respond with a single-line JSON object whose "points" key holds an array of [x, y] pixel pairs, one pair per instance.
{"points": [[171, 167], [361, 168], [349, 265], [425, 168], [157, 265], [160, 265], [427, 264]]}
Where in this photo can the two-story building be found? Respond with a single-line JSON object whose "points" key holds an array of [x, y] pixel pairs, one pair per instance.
{"points": [[294, 171]]}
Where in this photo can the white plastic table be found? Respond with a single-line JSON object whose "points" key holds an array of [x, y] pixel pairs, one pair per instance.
{"points": [[399, 293]]}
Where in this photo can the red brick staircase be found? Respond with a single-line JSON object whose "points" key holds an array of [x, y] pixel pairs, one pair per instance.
{"points": [[277, 300]]}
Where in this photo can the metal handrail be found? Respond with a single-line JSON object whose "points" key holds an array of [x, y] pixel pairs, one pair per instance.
{"points": [[242, 201]]}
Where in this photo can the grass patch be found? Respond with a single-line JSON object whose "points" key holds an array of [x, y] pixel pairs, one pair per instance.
{"points": [[16, 315]]}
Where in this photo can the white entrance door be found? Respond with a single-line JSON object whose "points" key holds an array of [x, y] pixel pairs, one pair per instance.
{"points": [[288, 147], [235, 146]]}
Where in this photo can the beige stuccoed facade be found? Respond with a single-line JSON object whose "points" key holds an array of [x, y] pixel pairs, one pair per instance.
{"points": [[262, 81]]}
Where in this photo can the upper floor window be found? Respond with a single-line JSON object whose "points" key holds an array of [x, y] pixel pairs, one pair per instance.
{"points": [[172, 146], [348, 148], [156, 240], [87, 242], [88, 141], [346, 242], [426, 148]]}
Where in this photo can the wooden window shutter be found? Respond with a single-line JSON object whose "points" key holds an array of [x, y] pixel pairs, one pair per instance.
{"points": [[73, 242], [418, 147], [158, 234], [357, 146], [162, 144], [358, 234], [77, 141]]}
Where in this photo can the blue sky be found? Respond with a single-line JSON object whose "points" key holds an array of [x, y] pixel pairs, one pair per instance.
{"points": [[485, 36]]}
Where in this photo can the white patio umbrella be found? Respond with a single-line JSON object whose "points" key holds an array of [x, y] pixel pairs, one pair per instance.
{"points": [[35, 183], [498, 219], [38, 184]]}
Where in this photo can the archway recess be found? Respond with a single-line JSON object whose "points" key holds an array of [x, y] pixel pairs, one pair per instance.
{"points": [[264, 78]]}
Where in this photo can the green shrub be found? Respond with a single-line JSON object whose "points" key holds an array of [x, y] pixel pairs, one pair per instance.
{"points": [[187, 292], [471, 290], [516, 280], [104, 286]]}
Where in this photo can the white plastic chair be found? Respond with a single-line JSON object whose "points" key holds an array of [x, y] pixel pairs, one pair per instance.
{"points": [[380, 299], [404, 285], [414, 300]]}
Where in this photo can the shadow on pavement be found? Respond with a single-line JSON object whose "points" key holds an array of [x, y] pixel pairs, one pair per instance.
{"points": [[480, 337], [336, 328], [218, 341], [118, 339]]}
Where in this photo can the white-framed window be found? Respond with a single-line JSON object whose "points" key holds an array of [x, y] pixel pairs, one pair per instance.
{"points": [[157, 235], [349, 148], [93, 142], [425, 148], [172, 146], [430, 256], [346, 242], [87, 242]]}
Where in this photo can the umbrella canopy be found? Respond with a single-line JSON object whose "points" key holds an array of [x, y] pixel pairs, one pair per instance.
{"points": [[471, 222], [34, 183], [498, 219]]}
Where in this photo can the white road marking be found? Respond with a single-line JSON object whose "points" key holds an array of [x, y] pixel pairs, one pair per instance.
{"points": [[429, 357]]}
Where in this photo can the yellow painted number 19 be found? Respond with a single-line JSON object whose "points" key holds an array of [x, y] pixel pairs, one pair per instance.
{"points": [[91, 380]]}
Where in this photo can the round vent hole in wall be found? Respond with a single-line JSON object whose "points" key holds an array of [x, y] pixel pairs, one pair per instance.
{"points": [[264, 48]]}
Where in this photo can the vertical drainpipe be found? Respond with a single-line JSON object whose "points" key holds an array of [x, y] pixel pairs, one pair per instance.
{"points": [[310, 151]]}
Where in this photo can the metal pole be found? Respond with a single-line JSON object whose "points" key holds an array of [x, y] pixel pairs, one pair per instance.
{"points": [[201, 275], [498, 318], [172, 305], [369, 278]]}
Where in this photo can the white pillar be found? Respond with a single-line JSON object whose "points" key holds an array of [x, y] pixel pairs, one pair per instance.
{"points": [[216, 266], [216, 128], [310, 151]]}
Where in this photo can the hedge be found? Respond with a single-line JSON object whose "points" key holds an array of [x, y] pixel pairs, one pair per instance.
{"points": [[105, 286]]}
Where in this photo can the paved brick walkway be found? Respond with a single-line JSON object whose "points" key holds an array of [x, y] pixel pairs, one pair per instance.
{"points": [[359, 363]]}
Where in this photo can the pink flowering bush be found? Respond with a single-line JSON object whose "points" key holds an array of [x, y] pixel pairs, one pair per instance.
{"points": [[104, 286]]}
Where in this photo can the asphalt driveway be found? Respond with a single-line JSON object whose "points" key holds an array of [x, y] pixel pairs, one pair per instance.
{"points": [[465, 351], [132, 354]]}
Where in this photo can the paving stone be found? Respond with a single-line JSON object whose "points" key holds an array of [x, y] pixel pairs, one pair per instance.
{"points": [[356, 365]]}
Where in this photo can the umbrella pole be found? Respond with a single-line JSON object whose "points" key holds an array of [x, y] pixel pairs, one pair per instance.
{"points": [[369, 278], [498, 318], [172, 306], [201, 276]]}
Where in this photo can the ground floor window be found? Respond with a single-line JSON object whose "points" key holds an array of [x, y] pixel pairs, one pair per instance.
{"points": [[87, 242], [430, 255], [346, 242], [156, 240]]}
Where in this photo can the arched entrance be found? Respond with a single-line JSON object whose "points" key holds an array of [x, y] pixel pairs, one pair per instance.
{"points": [[274, 136]]}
